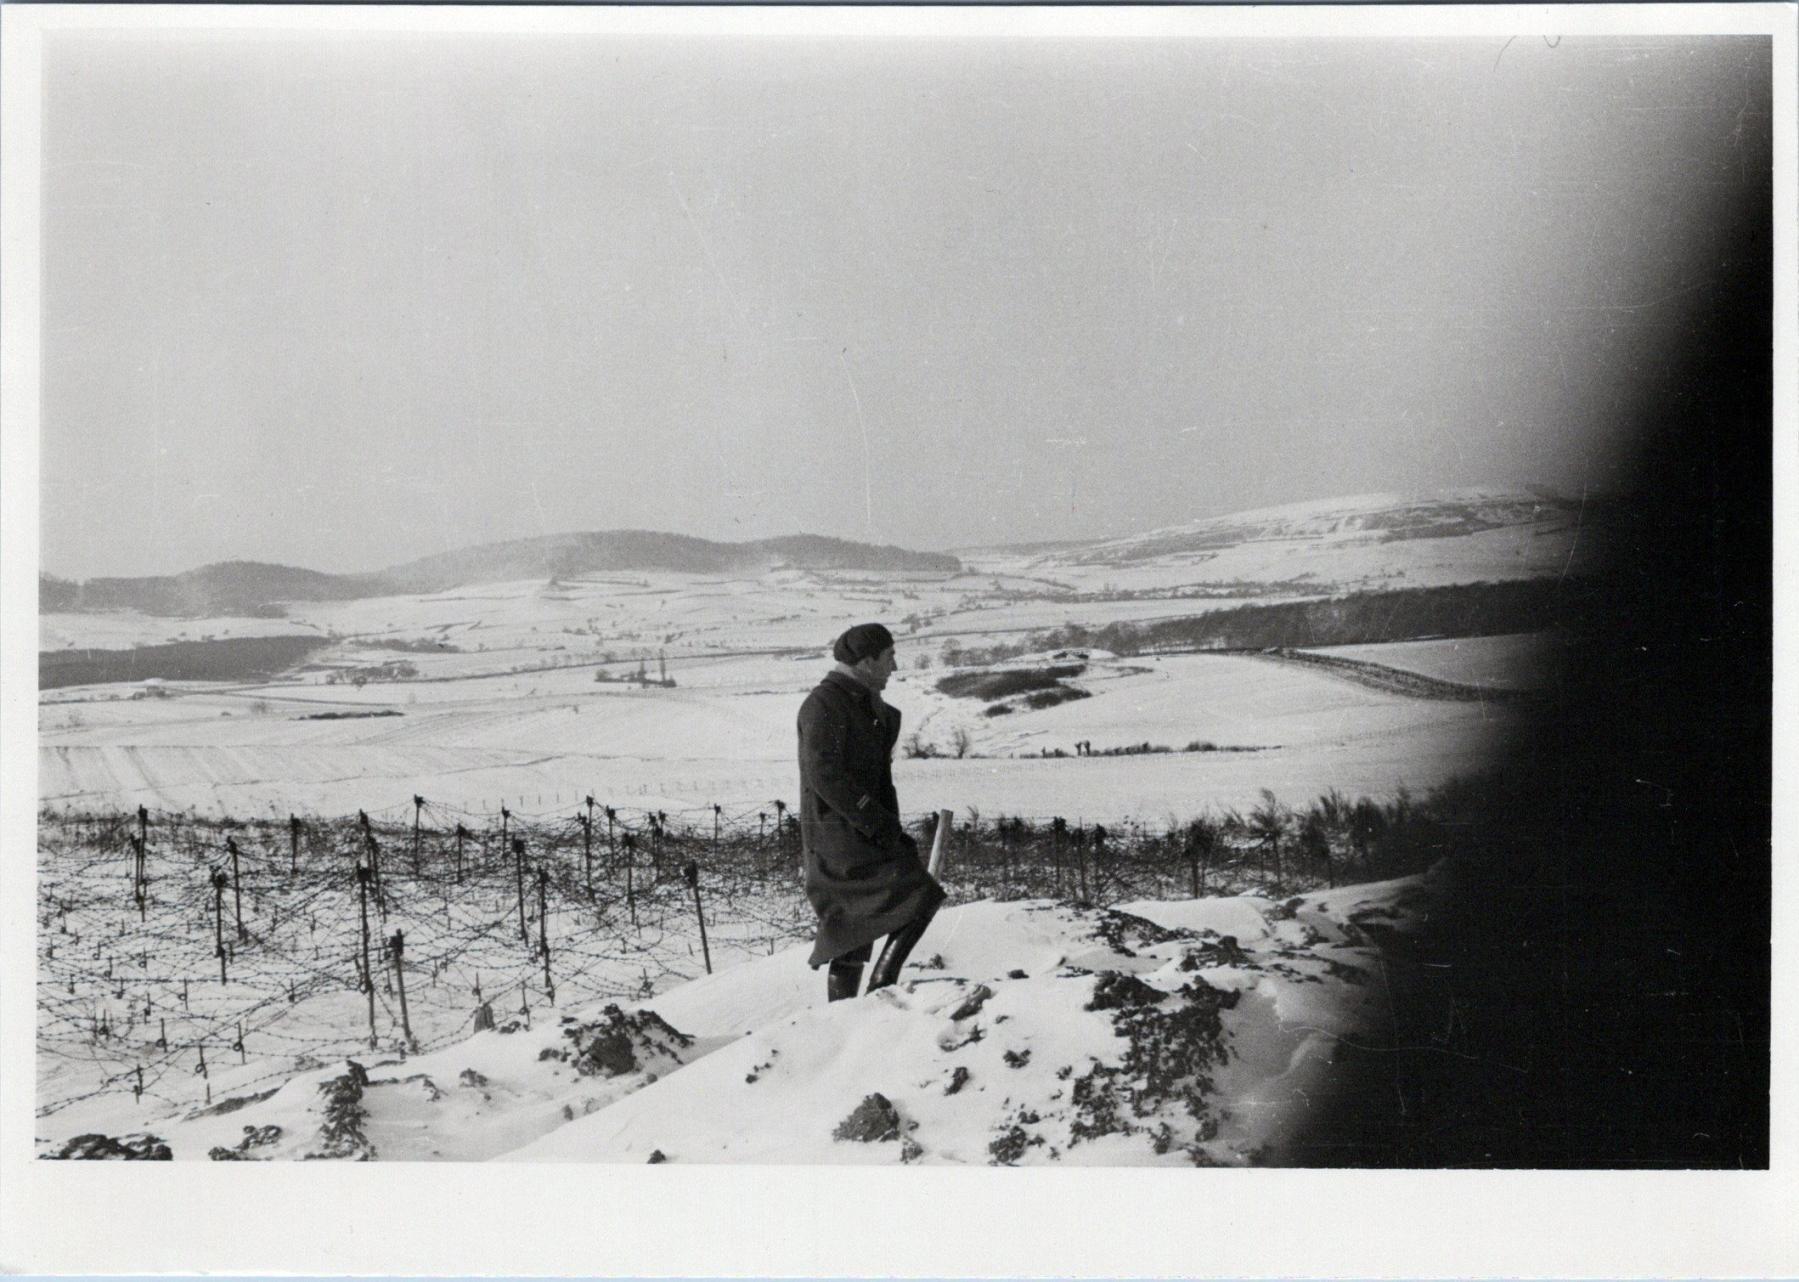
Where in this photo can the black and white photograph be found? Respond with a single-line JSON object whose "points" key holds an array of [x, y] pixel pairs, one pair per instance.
{"points": [[757, 592]]}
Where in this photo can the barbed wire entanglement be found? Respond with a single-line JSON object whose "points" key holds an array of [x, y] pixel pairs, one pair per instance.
{"points": [[171, 944]]}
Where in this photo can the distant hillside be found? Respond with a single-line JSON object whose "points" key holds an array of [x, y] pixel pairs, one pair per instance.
{"points": [[228, 588], [570, 555], [1362, 519], [254, 588]]}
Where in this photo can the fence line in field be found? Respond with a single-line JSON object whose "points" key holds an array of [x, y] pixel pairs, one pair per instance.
{"points": [[141, 968]]}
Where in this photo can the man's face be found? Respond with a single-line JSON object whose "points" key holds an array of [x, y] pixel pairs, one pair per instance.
{"points": [[879, 668]]}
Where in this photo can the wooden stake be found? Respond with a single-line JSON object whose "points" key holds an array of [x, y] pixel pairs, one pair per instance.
{"points": [[940, 841], [363, 877], [518, 869], [399, 950], [237, 885], [630, 892], [218, 918], [543, 929], [692, 874], [586, 822]]}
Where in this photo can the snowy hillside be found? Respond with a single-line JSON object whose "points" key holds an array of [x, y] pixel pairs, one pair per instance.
{"points": [[1024, 1032], [1361, 541]]}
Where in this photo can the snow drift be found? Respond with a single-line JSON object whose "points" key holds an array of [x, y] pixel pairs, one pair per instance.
{"points": [[1027, 1032]]}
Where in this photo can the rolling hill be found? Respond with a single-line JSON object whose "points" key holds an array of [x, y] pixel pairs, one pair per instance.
{"points": [[257, 588], [1353, 520]]}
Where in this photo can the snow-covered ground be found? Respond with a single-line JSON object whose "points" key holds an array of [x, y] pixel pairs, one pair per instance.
{"points": [[1516, 662], [123, 629], [1025, 1032], [503, 708], [511, 712], [724, 735]]}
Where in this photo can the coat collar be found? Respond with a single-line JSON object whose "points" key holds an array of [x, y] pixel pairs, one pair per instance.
{"points": [[847, 682], [874, 702]]}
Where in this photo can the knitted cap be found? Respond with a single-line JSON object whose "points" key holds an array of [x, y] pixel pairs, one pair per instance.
{"points": [[864, 641]]}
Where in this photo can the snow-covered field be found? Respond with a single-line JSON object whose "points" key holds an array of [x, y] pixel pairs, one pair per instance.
{"points": [[537, 695], [1517, 662], [724, 736], [1024, 1032]]}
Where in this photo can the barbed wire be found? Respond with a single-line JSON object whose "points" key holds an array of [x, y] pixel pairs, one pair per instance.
{"points": [[145, 964]]}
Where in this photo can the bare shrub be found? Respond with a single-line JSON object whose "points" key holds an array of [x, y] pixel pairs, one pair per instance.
{"points": [[915, 747]]}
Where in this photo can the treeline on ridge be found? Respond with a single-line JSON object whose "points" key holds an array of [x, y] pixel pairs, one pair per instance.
{"points": [[1362, 618], [224, 659]]}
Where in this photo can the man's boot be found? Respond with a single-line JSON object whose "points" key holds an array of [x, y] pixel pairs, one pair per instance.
{"points": [[842, 981], [894, 954]]}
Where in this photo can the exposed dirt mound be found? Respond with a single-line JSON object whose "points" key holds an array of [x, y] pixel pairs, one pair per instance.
{"points": [[1115, 991], [618, 1043], [1171, 1049], [1126, 932], [872, 1121], [140, 1147]]}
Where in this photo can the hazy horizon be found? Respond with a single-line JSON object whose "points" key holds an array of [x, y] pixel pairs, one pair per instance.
{"points": [[1522, 488], [340, 301]]}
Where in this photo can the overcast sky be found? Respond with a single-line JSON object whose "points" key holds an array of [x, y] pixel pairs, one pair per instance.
{"points": [[343, 300]]}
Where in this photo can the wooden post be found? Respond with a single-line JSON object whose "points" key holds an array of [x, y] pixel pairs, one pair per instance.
{"points": [[518, 868], [363, 877], [237, 885], [461, 836], [505, 827], [218, 918], [611, 849], [143, 826], [418, 806], [692, 874], [630, 891], [940, 841], [398, 945], [140, 875], [543, 928], [1099, 855], [243, 1056], [293, 845], [586, 821]]}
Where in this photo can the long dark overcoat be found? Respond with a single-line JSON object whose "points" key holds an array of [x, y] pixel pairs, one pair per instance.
{"points": [[863, 873]]}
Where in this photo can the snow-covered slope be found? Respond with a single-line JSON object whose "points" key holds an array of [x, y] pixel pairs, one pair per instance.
{"points": [[1357, 518], [1025, 1032], [1355, 542]]}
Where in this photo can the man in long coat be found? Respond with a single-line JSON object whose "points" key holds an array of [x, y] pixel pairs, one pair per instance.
{"points": [[863, 874]]}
